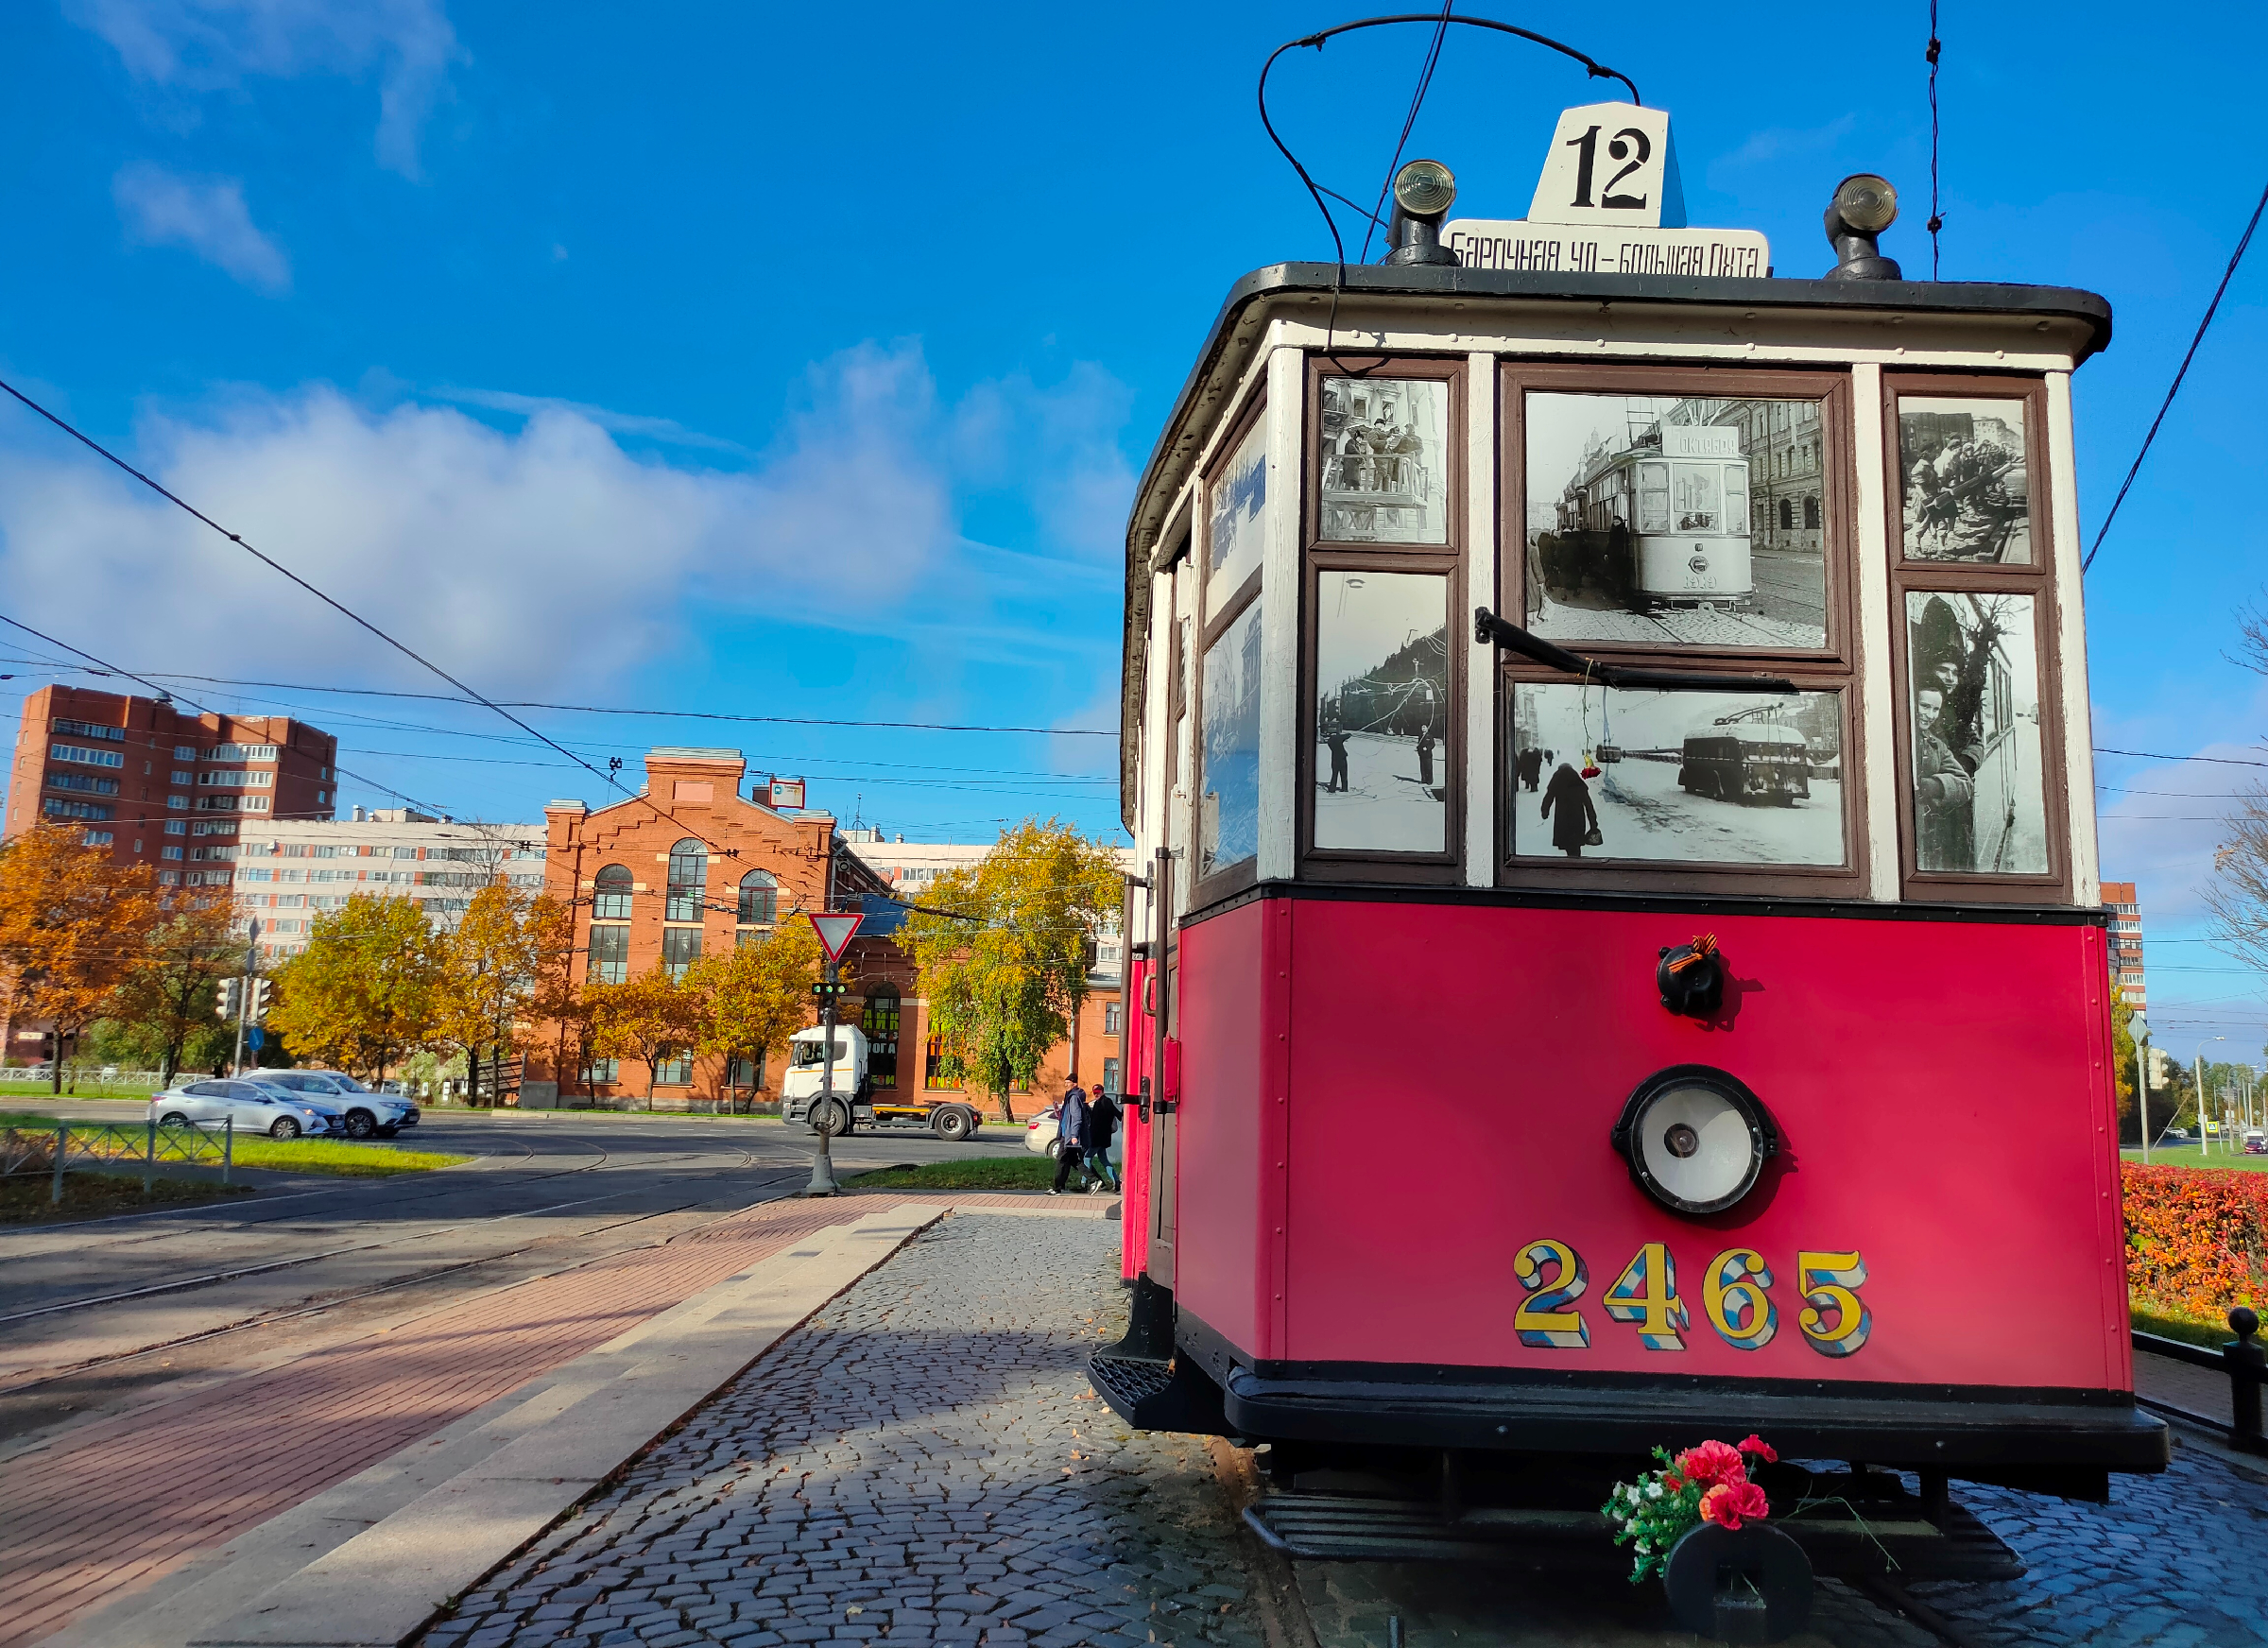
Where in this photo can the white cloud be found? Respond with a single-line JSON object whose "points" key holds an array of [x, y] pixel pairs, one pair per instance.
{"points": [[206, 215], [204, 46], [665, 431], [530, 559], [1060, 443]]}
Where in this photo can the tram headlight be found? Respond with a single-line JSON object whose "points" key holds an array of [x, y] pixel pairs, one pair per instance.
{"points": [[1863, 206], [1425, 189], [1866, 202], [1695, 1139]]}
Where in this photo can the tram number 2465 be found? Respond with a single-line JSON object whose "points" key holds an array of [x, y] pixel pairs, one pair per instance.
{"points": [[1736, 1295]]}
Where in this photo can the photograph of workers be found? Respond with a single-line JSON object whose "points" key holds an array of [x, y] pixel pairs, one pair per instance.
{"points": [[1676, 518], [1702, 778], [1382, 732], [1979, 800], [1386, 468], [1965, 491]]}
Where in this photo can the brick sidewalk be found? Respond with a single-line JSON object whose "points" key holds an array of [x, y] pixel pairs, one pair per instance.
{"points": [[122, 1501]]}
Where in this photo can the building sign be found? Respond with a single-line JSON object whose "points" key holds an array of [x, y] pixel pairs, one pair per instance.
{"points": [[786, 794], [1559, 248]]}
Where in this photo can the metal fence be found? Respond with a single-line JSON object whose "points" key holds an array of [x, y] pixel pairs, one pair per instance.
{"points": [[26, 1152]]}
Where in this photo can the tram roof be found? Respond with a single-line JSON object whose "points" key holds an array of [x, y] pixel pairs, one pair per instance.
{"points": [[2085, 318]]}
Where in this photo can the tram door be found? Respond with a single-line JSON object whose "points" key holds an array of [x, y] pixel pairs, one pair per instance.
{"points": [[1166, 901]]}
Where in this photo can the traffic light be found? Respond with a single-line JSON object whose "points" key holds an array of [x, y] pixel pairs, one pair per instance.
{"points": [[232, 998], [258, 1007], [826, 988]]}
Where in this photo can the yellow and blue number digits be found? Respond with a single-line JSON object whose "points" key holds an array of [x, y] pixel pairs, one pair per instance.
{"points": [[1542, 1322], [1735, 1294], [1647, 1294]]}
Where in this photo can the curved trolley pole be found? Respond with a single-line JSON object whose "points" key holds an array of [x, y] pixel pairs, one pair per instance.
{"points": [[835, 933]]}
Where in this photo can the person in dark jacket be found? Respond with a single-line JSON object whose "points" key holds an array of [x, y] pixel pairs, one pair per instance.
{"points": [[1102, 1126], [1071, 1136], [1577, 817]]}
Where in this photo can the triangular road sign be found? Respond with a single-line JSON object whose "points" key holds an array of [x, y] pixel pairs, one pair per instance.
{"points": [[835, 933]]}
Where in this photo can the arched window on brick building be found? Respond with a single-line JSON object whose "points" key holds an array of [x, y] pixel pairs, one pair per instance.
{"points": [[688, 882], [759, 900]]}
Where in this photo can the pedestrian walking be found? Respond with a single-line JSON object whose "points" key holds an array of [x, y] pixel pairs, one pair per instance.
{"points": [[1335, 734], [1577, 824], [1102, 1126], [1425, 756], [1071, 1137]]}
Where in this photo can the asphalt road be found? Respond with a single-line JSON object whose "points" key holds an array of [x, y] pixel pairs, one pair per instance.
{"points": [[101, 1315]]}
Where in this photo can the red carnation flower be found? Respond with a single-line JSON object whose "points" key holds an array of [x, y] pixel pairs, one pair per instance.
{"points": [[1713, 1461], [1727, 1502], [1761, 1448]]}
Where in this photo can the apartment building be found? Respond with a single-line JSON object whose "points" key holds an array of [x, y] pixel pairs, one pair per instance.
{"points": [[156, 784], [2125, 942], [288, 873]]}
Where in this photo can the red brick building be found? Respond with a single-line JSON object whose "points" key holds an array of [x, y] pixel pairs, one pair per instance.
{"points": [[701, 863], [163, 786]]}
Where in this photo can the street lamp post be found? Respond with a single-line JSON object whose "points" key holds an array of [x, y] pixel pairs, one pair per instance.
{"points": [[834, 937], [2140, 1026], [2198, 1069]]}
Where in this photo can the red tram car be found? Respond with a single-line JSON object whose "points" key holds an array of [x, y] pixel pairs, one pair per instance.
{"points": [[1462, 1169]]}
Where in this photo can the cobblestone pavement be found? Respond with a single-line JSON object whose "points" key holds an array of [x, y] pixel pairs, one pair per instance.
{"points": [[926, 1464]]}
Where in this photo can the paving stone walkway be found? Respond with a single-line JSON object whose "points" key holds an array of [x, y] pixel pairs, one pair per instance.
{"points": [[925, 1463]]}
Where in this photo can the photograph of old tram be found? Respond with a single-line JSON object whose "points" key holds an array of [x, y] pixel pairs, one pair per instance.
{"points": [[1579, 629]]}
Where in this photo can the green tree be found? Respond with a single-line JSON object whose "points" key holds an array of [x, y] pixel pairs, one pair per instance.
{"points": [[1003, 989], [759, 994], [169, 994], [73, 924], [489, 970], [364, 994], [651, 1018]]}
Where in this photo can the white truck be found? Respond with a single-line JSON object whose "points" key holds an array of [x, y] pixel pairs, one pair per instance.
{"points": [[855, 1101]]}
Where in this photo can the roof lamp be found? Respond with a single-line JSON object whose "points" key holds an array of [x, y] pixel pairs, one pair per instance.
{"points": [[1695, 1139], [1863, 206], [1423, 193]]}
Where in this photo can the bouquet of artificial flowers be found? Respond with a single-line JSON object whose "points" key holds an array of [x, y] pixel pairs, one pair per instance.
{"points": [[1707, 1484]]}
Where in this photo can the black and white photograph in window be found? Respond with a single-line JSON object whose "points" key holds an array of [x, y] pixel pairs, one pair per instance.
{"points": [[1676, 518], [1980, 802], [1236, 519], [1229, 809], [1386, 467], [1381, 719], [1702, 778], [1966, 493]]}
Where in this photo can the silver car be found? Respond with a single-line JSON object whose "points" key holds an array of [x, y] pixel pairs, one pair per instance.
{"points": [[361, 1113], [255, 1107]]}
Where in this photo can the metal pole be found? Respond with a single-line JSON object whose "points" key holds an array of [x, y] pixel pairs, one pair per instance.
{"points": [[63, 1148], [149, 1155], [2141, 1089], [244, 992], [822, 1166], [228, 1147]]}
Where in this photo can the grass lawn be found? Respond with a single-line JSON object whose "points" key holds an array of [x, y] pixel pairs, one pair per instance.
{"points": [[1014, 1173], [24, 1199], [89, 1088], [2193, 1156], [334, 1156]]}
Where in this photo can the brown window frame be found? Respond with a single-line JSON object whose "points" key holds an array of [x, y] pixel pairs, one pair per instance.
{"points": [[1447, 560], [1929, 577], [1211, 624], [1836, 666]]}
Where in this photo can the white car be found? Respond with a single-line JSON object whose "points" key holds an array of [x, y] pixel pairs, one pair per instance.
{"points": [[361, 1113], [253, 1105], [1041, 1137]]}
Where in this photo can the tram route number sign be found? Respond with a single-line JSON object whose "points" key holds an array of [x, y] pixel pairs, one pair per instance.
{"points": [[1483, 243], [1738, 1299]]}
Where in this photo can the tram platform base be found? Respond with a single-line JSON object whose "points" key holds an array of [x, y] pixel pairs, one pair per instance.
{"points": [[1849, 1529]]}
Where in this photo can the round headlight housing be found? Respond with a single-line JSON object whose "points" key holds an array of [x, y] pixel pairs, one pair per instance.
{"points": [[1425, 189], [1866, 202], [1695, 1138]]}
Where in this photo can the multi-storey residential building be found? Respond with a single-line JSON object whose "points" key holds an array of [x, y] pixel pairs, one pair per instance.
{"points": [[289, 873], [2125, 942], [156, 784]]}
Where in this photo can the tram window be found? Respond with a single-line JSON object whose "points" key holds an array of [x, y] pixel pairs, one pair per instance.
{"points": [[1689, 570], [1965, 488], [1383, 747], [1384, 460], [1228, 803], [1235, 528], [1699, 497], [1977, 782], [1699, 777]]}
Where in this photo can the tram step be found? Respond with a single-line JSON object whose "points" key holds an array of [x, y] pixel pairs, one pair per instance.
{"points": [[1156, 1396], [1337, 1528]]}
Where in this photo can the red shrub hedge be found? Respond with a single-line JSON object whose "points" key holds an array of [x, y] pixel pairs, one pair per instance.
{"points": [[2196, 1238]]}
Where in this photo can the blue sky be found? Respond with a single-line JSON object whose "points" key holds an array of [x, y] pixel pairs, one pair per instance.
{"points": [[794, 362]]}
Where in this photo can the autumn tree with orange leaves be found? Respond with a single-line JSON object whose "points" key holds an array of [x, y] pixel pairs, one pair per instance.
{"points": [[74, 925]]}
